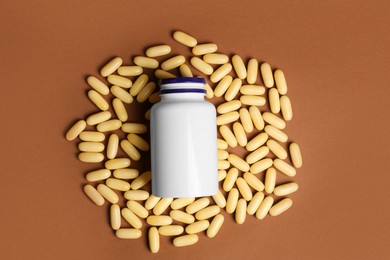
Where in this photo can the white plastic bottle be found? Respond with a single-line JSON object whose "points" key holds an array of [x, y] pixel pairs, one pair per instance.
{"points": [[183, 141]]}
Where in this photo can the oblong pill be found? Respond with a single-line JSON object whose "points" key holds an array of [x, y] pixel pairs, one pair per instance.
{"points": [[231, 202], [241, 211], [110, 125], [252, 100], [75, 130], [98, 175], [141, 180], [117, 163], [285, 106], [239, 133], [159, 220], [99, 117], [284, 167], [119, 109], [286, 189], [230, 179], [184, 38], [138, 142], [209, 91], [252, 90], [154, 98], [93, 195], [145, 62], [274, 120], [239, 66], [197, 227], [108, 193], [181, 216], [92, 147], [215, 226], [116, 184], [91, 157], [266, 74], [130, 150], [92, 136], [115, 216], [280, 207], [173, 62], [98, 85], [162, 205], [216, 58], [221, 72], [256, 117], [277, 149], [128, 233], [219, 199], [136, 195], [222, 144], [233, 89], [227, 118], [185, 71], [223, 164], [185, 240], [276, 134], [265, 206], [146, 92], [253, 181], [228, 106], [112, 146], [274, 102], [257, 155], [205, 48], [162, 74], [222, 86], [221, 175], [244, 189], [257, 141], [122, 94], [151, 202], [119, 81], [139, 84], [134, 128], [261, 165], [181, 202], [253, 67], [98, 100], [197, 205], [246, 120], [130, 70], [111, 66], [228, 135], [202, 66], [131, 218], [158, 50], [295, 154], [207, 212], [270, 180], [238, 162], [280, 81], [171, 230], [154, 240], [137, 209], [255, 202], [126, 174], [222, 155]]}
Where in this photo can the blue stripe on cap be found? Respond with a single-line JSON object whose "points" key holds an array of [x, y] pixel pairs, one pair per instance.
{"points": [[182, 90], [183, 80]]}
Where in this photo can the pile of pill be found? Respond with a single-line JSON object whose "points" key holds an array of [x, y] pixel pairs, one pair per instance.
{"points": [[245, 108]]}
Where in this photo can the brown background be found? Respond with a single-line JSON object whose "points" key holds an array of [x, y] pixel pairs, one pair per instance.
{"points": [[335, 55]]}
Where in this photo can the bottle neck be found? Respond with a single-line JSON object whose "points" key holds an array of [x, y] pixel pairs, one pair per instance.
{"points": [[182, 97]]}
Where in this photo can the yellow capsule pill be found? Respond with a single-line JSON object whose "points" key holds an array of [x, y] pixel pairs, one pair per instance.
{"points": [[118, 163], [92, 136], [181, 216], [126, 174], [93, 195], [286, 189], [239, 133], [230, 179], [207, 212], [154, 98], [253, 67], [115, 216], [222, 144], [239, 66], [241, 211], [252, 90], [98, 85], [134, 128], [154, 240], [205, 48], [255, 202], [228, 135], [159, 220], [223, 165], [185, 71], [244, 189], [130, 70], [92, 147], [253, 181], [296, 156], [284, 167], [145, 62], [264, 207], [181, 202], [122, 94], [173, 62], [111, 66], [116, 184], [280, 81], [119, 81], [184, 38], [157, 51], [171, 230], [239, 163], [222, 86], [136, 195], [274, 102], [228, 106], [197, 205], [216, 58], [219, 199], [227, 118], [276, 134], [197, 227], [221, 72], [162, 205], [209, 91], [141, 180], [266, 74], [256, 117], [130, 150], [128, 233], [185, 240], [131, 218], [98, 118], [108, 193], [285, 107], [75, 130], [112, 146], [233, 89], [146, 92], [252, 100], [280, 207], [231, 202], [137, 209], [261, 165], [91, 157], [257, 155], [246, 120], [139, 84], [119, 109], [222, 155], [277, 149], [151, 202], [138, 142], [98, 175], [110, 125], [257, 141], [270, 180], [274, 120], [162, 74], [202, 66], [215, 226]]}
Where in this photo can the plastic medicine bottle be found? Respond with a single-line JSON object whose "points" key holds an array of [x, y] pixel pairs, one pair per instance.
{"points": [[183, 141]]}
